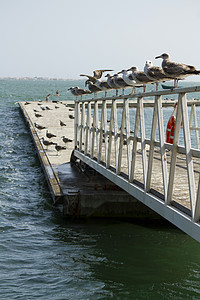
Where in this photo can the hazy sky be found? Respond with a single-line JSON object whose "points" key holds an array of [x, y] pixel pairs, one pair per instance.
{"points": [[63, 38]]}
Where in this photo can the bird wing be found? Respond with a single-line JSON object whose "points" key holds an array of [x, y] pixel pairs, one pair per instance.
{"points": [[172, 68], [91, 78], [141, 77], [156, 73], [98, 73]]}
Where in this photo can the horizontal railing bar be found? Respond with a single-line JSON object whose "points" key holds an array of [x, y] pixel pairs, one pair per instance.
{"points": [[146, 94]]}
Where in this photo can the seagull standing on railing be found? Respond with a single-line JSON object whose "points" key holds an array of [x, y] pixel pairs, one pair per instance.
{"points": [[102, 85], [175, 70], [92, 87], [155, 73], [110, 81], [118, 81], [128, 78], [140, 77]]}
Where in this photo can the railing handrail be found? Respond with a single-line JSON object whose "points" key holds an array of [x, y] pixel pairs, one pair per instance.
{"points": [[145, 94]]}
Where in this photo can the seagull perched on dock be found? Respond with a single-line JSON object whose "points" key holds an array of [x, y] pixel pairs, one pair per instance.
{"points": [[175, 70], [140, 77], [62, 123], [50, 135], [38, 115], [40, 127], [47, 143], [155, 73], [59, 148], [66, 140]]}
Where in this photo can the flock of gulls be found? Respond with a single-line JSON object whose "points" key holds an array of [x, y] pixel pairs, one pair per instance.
{"points": [[134, 78], [48, 139]]}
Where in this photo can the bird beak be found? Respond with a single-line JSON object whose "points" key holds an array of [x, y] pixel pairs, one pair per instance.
{"points": [[119, 72], [128, 69], [158, 57]]}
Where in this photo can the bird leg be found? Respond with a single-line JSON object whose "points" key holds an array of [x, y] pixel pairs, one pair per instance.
{"points": [[122, 91], [133, 90], [105, 93], [116, 92], [156, 86], [144, 88]]}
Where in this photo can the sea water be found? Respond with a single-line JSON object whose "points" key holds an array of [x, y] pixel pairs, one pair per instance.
{"points": [[43, 256]]}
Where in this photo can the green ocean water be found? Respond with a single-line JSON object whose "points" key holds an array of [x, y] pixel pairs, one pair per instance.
{"points": [[43, 256]]}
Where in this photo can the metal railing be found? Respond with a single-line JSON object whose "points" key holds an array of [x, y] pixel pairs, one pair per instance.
{"points": [[105, 141]]}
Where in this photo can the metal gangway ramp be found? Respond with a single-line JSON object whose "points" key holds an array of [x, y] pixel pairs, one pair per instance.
{"points": [[123, 138]]}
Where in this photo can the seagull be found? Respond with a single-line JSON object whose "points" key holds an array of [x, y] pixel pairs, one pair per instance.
{"points": [[118, 81], [66, 140], [71, 117], [50, 135], [92, 86], [81, 92], [155, 73], [62, 123], [128, 78], [111, 83], [72, 90], [58, 148], [40, 127], [48, 108], [38, 115], [35, 110], [140, 77], [176, 71], [102, 85], [47, 143]]}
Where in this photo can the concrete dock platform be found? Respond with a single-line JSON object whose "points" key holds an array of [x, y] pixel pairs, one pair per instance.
{"points": [[76, 187]]}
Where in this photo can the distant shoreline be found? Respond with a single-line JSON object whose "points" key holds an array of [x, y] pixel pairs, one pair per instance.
{"points": [[37, 78]]}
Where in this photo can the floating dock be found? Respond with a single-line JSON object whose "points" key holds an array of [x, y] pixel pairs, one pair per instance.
{"points": [[75, 187]]}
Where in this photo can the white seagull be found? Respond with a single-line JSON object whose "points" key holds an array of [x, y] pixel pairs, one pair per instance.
{"points": [[175, 70], [128, 78]]}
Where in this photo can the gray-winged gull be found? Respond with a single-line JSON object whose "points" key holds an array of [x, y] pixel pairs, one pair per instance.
{"points": [[175, 70], [155, 73], [140, 77]]}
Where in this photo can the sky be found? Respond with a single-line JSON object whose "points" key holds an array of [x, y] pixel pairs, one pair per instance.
{"points": [[64, 38]]}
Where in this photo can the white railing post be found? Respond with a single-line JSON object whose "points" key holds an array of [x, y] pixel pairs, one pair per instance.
{"points": [[76, 121], [152, 145], [82, 132], [189, 160], [162, 146], [127, 123], [121, 141], [174, 150], [135, 140], [143, 146]]}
